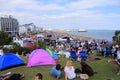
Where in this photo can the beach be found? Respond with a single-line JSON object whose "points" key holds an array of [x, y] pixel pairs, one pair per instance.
{"points": [[98, 34], [88, 35], [64, 33]]}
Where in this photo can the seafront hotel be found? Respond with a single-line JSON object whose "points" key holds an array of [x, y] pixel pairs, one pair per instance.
{"points": [[9, 24]]}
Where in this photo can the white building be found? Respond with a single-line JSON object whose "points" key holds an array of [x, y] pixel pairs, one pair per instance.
{"points": [[27, 28], [39, 29], [48, 29]]}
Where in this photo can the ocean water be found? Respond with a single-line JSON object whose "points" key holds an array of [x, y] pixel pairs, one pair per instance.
{"points": [[99, 34]]}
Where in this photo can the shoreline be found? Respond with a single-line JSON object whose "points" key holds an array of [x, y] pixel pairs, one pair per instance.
{"points": [[63, 33]]}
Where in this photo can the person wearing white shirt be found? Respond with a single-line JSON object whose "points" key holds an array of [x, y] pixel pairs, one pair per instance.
{"points": [[1, 52], [69, 71], [67, 54], [118, 55], [118, 60]]}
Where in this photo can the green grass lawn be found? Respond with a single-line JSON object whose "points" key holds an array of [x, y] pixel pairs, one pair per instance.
{"points": [[104, 70]]}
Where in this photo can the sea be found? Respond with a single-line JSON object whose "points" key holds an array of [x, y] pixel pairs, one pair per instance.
{"points": [[99, 34]]}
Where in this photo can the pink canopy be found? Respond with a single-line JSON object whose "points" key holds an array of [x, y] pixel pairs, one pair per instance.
{"points": [[40, 57]]}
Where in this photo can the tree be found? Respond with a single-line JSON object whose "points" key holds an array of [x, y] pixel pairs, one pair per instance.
{"points": [[41, 44], [117, 32], [116, 38], [4, 38]]}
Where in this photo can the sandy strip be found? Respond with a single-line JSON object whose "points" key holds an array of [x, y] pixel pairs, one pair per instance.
{"points": [[63, 33]]}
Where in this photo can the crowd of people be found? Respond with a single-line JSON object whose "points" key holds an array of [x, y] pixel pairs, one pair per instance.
{"points": [[75, 51], [81, 50], [70, 72]]}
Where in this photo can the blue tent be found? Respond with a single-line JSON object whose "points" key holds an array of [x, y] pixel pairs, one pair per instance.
{"points": [[54, 55], [9, 60]]}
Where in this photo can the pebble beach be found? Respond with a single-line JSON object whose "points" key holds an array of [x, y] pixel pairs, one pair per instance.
{"points": [[59, 33]]}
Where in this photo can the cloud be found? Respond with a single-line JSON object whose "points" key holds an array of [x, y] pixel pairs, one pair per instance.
{"points": [[86, 4], [55, 5], [75, 20], [28, 4], [79, 19], [12, 4], [72, 14]]}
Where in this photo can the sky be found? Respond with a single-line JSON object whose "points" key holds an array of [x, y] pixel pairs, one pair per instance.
{"points": [[65, 14]]}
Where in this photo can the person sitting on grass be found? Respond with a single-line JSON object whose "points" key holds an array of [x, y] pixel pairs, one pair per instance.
{"points": [[56, 71], [38, 76], [69, 71], [86, 69], [5, 76], [67, 54], [1, 51], [73, 54], [17, 54], [15, 76], [117, 60]]}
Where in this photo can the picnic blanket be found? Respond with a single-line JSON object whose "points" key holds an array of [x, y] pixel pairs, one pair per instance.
{"points": [[93, 59]]}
